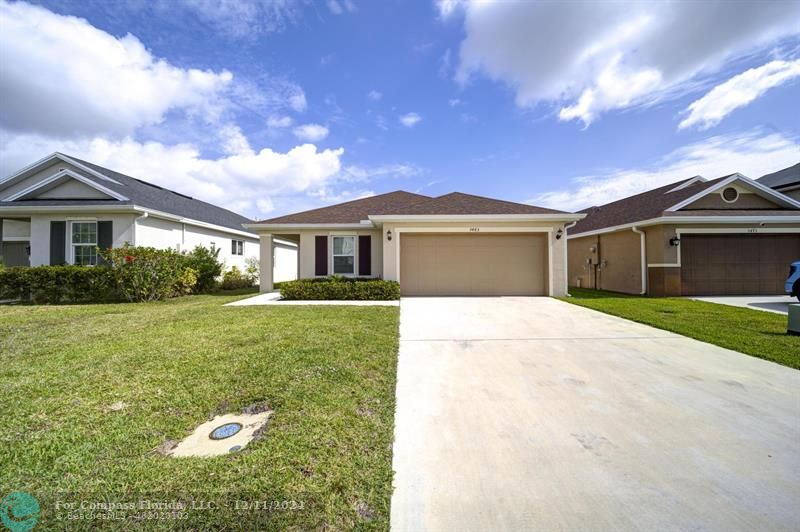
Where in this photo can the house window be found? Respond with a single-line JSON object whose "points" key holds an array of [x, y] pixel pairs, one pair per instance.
{"points": [[344, 255], [237, 247], [84, 243]]}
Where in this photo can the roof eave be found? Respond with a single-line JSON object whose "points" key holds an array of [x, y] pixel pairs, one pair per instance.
{"points": [[715, 219], [544, 217], [261, 227]]}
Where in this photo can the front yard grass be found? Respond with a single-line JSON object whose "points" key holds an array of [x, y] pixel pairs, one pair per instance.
{"points": [[88, 393], [756, 333]]}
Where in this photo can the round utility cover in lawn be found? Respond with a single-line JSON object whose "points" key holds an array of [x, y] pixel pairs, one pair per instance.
{"points": [[222, 435]]}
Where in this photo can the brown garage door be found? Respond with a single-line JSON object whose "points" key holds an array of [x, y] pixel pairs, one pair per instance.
{"points": [[736, 264], [470, 264]]}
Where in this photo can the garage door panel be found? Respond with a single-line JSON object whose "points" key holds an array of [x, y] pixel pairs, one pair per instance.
{"points": [[468, 264], [736, 264]]}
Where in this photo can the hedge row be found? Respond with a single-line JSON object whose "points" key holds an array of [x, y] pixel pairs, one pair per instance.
{"points": [[58, 284], [126, 274], [341, 288]]}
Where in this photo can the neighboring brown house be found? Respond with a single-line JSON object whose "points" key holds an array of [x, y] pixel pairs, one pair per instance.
{"points": [[731, 235], [786, 181], [456, 244]]}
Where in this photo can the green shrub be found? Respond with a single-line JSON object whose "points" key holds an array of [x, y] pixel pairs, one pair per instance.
{"points": [[341, 288], [149, 274], [252, 268], [205, 262], [234, 278], [58, 284]]}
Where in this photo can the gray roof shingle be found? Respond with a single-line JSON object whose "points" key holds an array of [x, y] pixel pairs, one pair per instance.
{"points": [[782, 178], [407, 203], [150, 196]]}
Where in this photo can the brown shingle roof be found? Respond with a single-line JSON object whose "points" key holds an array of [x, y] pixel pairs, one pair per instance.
{"points": [[352, 212], [460, 203], [403, 203], [644, 206]]}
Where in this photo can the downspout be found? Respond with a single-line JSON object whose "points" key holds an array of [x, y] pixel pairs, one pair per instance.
{"points": [[643, 258], [135, 223], [567, 227]]}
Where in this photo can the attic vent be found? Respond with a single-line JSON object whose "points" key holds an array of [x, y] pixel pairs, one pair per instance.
{"points": [[730, 194]]}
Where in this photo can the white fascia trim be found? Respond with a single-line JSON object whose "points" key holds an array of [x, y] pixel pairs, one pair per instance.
{"points": [[691, 219], [271, 228], [566, 217], [785, 200], [688, 182], [67, 173], [44, 209], [51, 157], [197, 223]]}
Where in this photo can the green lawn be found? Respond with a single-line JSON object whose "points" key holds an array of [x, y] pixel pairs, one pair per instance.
{"points": [[327, 372], [757, 333]]}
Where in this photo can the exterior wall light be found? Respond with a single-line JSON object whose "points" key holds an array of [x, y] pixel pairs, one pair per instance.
{"points": [[389, 235], [675, 241], [559, 233]]}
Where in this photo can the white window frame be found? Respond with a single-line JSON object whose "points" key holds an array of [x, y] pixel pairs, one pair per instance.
{"points": [[72, 245], [239, 247], [354, 255]]}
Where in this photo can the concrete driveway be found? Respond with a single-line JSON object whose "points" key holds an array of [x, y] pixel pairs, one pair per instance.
{"points": [[533, 414], [777, 304]]}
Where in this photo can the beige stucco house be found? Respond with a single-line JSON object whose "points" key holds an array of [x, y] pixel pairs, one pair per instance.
{"points": [[457, 244], [730, 235]]}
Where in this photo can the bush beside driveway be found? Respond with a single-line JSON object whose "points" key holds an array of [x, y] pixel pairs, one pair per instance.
{"points": [[753, 332], [90, 394]]}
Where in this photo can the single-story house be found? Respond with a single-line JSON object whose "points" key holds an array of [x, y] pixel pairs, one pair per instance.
{"points": [[456, 244], [730, 235], [786, 181], [60, 209]]}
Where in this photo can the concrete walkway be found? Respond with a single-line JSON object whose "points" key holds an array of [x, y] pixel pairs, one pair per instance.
{"points": [[778, 304], [274, 298], [533, 414]]}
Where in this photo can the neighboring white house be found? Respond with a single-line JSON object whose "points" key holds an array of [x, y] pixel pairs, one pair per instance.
{"points": [[60, 209]]}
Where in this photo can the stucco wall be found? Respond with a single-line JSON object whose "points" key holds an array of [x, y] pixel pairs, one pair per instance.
{"points": [[794, 194], [163, 234], [616, 258], [16, 230], [557, 248], [40, 232], [580, 250], [71, 189], [307, 251], [746, 200]]}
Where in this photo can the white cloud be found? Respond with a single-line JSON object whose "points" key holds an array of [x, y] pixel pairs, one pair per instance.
{"points": [[590, 57], [278, 122], [447, 8], [233, 141], [95, 83], [753, 154], [338, 7], [238, 18], [243, 179], [311, 132], [361, 173], [737, 92], [410, 119], [374, 95], [454, 102]]}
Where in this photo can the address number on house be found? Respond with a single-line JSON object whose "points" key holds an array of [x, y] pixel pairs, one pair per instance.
{"points": [[474, 229]]}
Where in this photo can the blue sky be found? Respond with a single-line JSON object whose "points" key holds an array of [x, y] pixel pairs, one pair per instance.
{"points": [[272, 107]]}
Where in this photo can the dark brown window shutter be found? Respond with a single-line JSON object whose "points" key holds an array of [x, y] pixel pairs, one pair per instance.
{"points": [[58, 243], [365, 255], [105, 237], [320, 255]]}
